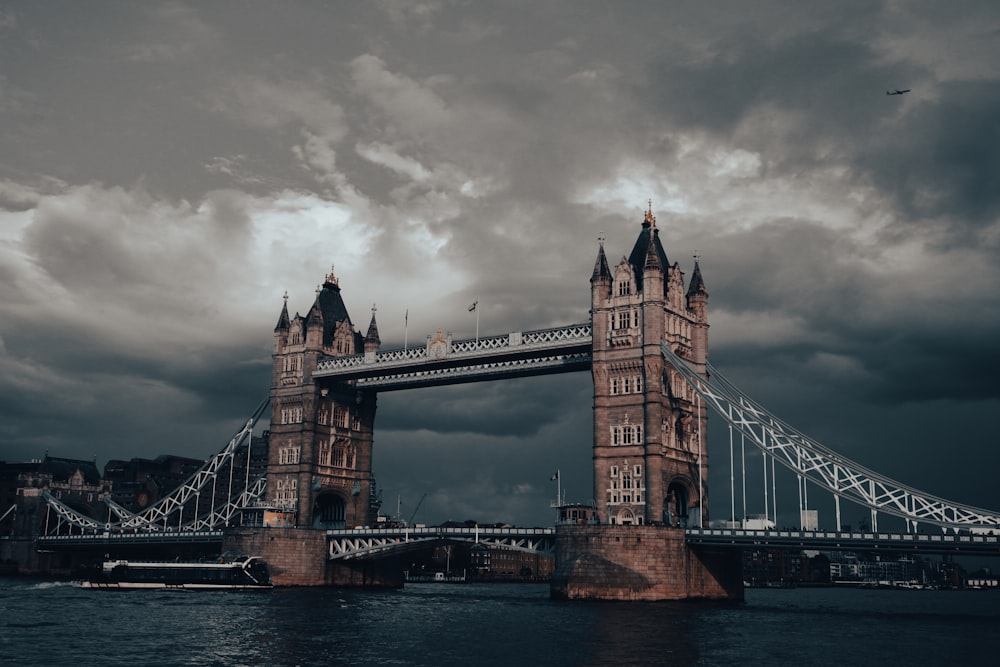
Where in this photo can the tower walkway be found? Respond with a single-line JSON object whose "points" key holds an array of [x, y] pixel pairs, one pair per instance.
{"points": [[443, 361]]}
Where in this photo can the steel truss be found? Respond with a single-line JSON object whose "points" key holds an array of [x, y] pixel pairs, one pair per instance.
{"points": [[518, 344], [561, 363], [822, 466], [366, 543], [168, 512]]}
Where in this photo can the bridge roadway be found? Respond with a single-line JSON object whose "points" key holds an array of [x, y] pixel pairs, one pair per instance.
{"points": [[930, 543], [356, 543], [442, 361], [109, 538]]}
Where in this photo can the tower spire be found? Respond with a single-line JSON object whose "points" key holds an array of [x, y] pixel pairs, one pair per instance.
{"points": [[601, 269], [372, 340]]}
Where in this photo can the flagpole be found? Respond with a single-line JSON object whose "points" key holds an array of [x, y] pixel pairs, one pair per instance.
{"points": [[406, 324], [477, 320]]}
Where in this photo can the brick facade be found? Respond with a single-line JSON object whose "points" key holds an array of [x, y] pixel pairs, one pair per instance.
{"points": [[641, 563], [650, 460]]}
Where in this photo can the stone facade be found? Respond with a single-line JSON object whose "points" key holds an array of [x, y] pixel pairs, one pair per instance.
{"points": [[298, 557], [641, 563], [320, 455], [650, 460]]}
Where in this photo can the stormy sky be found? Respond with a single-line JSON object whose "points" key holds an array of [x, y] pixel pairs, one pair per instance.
{"points": [[169, 169]]}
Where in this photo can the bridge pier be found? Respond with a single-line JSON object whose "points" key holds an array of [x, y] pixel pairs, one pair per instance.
{"points": [[608, 562], [298, 557]]}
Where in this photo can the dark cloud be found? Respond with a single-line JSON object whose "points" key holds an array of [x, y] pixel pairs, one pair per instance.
{"points": [[152, 213]]}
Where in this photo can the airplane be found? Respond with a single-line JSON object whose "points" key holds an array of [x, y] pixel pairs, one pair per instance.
{"points": [[898, 92]]}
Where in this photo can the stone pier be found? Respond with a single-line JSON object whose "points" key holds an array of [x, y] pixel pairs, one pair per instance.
{"points": [[298, 557], [607, 562]]}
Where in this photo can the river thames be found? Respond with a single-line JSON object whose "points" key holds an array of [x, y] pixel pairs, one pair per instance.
{"points": [[59, 623]]}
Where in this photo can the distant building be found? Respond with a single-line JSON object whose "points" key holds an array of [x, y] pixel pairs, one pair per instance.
{"points": [[76, 483]]}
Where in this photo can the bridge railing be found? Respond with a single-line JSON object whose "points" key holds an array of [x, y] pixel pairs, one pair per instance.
{"points": [[432, 531], [543, 339]]}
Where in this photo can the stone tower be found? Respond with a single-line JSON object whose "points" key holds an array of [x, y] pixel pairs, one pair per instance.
{"points": [[320, 454], [650, 455]]}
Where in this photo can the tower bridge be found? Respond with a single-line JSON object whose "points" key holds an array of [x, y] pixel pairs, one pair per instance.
{"points": [[646, 348]]}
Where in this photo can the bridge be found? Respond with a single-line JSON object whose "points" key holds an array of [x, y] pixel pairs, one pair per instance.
{"points": [[443, 361], [646, 348], [369, 542]]}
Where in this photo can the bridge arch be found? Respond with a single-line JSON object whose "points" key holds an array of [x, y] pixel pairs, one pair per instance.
{"points": [[677, 503], [329, 511]]}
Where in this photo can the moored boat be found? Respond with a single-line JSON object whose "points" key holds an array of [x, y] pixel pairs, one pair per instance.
{"points": [[242, 572]]}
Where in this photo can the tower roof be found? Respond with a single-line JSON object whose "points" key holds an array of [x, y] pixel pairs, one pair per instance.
{"points": [[372, 335], [329, 308], [283, 321], [697, 283], [601, 269], [647, 243]]}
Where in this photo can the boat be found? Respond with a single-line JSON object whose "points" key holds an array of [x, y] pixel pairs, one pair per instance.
{"points": [[241, 572]]}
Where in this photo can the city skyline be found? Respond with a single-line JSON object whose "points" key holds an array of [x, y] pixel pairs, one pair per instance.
{"points": [[171, 170]]}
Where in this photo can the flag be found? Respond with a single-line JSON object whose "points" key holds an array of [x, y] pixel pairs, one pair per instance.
{"points": [[555, 476], [474, 305]]}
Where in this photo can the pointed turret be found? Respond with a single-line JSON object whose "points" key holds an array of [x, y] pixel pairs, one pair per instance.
{"points": [[601, 269], [697, 286], [372, 341], [283, 320]]}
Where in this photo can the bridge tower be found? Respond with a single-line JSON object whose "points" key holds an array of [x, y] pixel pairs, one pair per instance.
{"points": [[650, 458], [320, 454]]}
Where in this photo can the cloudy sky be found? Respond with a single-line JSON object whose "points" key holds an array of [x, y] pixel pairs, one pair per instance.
{"points": [[168, 170]]}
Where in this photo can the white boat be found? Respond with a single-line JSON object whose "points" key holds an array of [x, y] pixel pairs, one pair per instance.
{"points": [[242, 572]]}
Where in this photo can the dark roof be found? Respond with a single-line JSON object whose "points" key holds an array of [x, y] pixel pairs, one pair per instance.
{"points": [[697, 283], [283, 322], [62, 469], [372, 336], [647, 243], [601, 269], [329, 309]]}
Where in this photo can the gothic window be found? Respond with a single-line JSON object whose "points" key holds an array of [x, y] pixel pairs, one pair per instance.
{"points": [[624, 287], [291, 414], [324, 453], [340, 417], [287, 455], [614, 386], [626, 434]]}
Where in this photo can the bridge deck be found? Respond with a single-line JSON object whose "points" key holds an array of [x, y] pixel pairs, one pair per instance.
{"points": [[516, 354], [845, 541]]}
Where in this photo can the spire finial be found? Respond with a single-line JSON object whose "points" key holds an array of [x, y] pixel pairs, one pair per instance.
{"points": [[285, 297], [697, 256], [373, 309], [600, 239], [332, 278]]}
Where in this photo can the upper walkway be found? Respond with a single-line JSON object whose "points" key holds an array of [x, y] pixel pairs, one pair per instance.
{"points": [[443, 361]]}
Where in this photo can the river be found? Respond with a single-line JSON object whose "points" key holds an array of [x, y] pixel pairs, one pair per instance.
{"points": [[58, 623]]}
